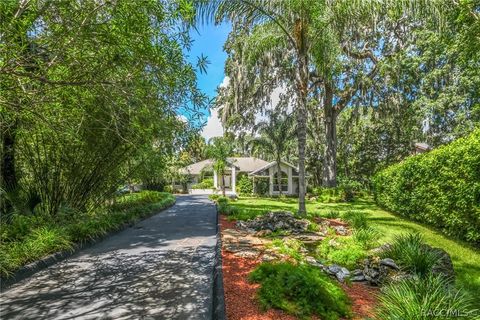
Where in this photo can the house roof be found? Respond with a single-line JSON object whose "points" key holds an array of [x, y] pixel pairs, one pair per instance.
{"points": [[271, 164], [243, 164]]}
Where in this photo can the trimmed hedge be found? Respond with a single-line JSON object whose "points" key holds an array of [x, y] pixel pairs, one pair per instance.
{"points": [[440, 188]]}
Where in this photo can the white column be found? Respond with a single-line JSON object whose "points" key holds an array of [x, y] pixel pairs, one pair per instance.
{"points": [[270, 174], [215, 179], [290, 181], [234, 178]]}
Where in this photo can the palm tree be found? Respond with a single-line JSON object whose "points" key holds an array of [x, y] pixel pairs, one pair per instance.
{"points": [[219, 149], [305, 35], [275, 138]]}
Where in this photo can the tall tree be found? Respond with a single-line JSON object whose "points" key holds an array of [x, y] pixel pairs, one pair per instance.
{"points": [[84, 87], [301, 44], [275, 138], [219, 149]]}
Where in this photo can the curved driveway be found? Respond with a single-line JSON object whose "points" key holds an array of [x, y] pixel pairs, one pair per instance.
{"points": [[159, 269]]}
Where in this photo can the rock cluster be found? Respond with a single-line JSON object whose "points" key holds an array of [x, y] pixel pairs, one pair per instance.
{"points": [[273, 221]]}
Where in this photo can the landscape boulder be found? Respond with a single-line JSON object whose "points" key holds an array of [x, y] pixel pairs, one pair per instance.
{"points": [[274, 221]]}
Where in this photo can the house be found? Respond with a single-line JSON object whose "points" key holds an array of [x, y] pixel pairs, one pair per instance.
{"points": [[257, 169], [421, 147]]}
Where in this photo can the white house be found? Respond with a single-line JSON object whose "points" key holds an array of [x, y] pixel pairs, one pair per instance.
{"points": [[257, 169]]}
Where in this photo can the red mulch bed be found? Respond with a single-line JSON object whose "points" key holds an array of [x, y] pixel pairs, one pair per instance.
{"points": [[240, 294]]}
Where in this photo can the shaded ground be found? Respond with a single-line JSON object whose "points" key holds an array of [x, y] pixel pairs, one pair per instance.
{"points": [[159, 269]]}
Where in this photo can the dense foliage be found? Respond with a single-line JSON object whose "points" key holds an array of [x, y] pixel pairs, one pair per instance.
{"points": [[89, 97], [30, 237], [441, 188], [424, 299], [301, 290]]}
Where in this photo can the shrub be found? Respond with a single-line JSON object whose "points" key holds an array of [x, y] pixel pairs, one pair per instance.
{"points": [[261, 186], [204, 184], [422, 299], [301, 290], [366, 237], [441, 188], [343, 251], [289, 247], [332, 214], [245, 185], [356, 219], [29, 238], [213, 197], [222, 204], [411, 253]]}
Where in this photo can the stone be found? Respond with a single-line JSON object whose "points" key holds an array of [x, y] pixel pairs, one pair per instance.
{"points": [[313, 262], [273, 221], [340, 230], [358, 278], [333, 269], [389, 263], [444, 265], [342, 274], [357, 272]]}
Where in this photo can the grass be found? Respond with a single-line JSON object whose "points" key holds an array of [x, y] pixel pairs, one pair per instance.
{"points": [[424, 299], [301, 290], [30, 238], [466, 259]]}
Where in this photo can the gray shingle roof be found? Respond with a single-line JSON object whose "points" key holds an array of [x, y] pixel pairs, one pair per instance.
{"points": [[243, 164]]}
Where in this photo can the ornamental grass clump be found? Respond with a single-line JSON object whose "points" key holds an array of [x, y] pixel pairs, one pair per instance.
{"points": [[432, 297], [301, 290], [412, 254]]}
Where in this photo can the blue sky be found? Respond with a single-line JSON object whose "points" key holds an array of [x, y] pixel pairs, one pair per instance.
{"points": [[209, 40]]}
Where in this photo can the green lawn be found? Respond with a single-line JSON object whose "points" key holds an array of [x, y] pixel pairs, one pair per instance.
{"points": [[466, 259]]}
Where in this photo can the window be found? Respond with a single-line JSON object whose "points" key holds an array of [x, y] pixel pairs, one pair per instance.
{"points": [[284, 181]]}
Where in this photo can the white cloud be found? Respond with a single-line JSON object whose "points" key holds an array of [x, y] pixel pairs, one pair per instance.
{"points": [[214, 127]]}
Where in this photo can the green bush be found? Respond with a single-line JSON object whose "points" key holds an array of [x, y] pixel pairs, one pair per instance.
{"points": [[341, 250], [424, 299], [332, 214], [301, 290], [441, 188], [204, 184], [412, 254], [214, 197], [31, 237], [290, 247], [245, 185], [367, 237], [261, 186], [356, 219]]}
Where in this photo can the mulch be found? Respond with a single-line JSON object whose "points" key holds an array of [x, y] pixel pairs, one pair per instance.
{"points": [[240, 295]]}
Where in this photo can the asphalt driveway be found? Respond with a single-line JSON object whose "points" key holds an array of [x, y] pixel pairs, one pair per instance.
{"points": [[159, 269]]}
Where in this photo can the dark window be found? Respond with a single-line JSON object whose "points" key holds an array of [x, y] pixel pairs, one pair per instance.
{"points": [[283, 181]]}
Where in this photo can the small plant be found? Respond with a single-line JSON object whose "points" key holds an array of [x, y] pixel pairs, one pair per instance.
{"points": [[300, 290], [289, 247], [341, 250], [412, 254], [356, 219], [421, 299], [245, 185], [313, 227], [204, 184], [366, 237], [214, 197], [332, 214]]}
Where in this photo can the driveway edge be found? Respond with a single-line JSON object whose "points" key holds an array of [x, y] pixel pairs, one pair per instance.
{"points": [[36, 266], [218, 291]]}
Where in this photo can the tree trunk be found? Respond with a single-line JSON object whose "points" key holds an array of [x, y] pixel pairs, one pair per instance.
{"points": [[302, 132], [330, 158], [279, 177], [223, 184]]}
